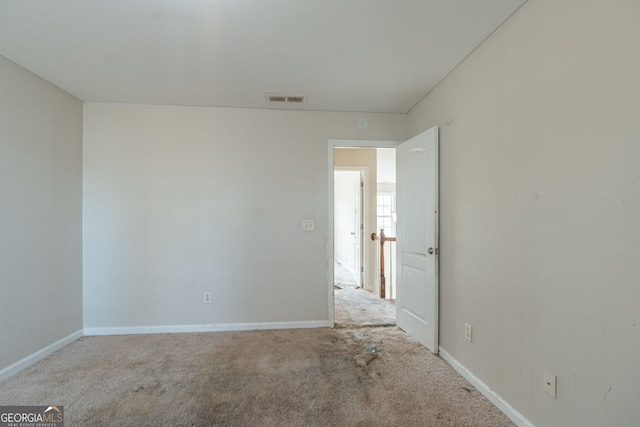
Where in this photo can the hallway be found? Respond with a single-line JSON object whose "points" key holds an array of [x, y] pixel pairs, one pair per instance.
{"points": [[355, 306]]}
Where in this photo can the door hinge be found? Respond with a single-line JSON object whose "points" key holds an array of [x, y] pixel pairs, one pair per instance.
{"points": [[361, 227], [361, 269]]}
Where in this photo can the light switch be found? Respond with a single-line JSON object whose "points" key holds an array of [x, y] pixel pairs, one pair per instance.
{"points": [[307, 225]]}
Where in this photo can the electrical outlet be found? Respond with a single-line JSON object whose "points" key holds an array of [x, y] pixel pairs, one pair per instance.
{"points": [[207, 297], [308, 225], [550, 383], [467, 332]]}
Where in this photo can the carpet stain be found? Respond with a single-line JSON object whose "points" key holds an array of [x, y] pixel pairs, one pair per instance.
{"points": [[302, 377]]}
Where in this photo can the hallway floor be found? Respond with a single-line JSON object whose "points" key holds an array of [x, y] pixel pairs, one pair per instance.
{"points": [[355, 306]]}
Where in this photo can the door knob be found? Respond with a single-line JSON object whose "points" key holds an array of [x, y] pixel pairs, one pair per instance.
{"points": [[430, 250]]}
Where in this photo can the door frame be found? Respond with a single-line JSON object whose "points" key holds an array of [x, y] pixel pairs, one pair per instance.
{"points": [[332, 144]]}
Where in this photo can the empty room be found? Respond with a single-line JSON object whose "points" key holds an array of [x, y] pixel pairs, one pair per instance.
{"points": [[167, 245]]}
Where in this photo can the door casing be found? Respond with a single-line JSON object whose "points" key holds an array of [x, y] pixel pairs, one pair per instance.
{"points": [[344, 143]]}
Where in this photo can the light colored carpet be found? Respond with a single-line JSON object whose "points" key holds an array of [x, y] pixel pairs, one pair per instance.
{"points": [[355, 306], [343, 277], [302, 377]]}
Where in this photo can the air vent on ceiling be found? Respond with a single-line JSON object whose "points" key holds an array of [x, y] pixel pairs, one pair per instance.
{"points": [[280, 98]]}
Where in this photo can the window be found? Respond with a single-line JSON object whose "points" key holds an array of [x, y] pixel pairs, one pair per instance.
{"points": [[386, 205]]}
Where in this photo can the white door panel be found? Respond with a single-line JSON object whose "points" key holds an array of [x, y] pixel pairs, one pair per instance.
{"points": [[413, 180], [358, 219], [417, 244], [414, 291]]}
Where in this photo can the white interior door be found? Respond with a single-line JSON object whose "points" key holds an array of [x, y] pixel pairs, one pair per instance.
{"points": [[357, 228], [417, 244]]}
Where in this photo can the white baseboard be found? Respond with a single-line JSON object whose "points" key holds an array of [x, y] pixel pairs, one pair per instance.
{"points": [[166, 329], [493, 397], [38, 355]]}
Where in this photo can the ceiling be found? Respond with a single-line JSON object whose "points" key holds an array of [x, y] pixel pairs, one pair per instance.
{"points": [[345, 55]]}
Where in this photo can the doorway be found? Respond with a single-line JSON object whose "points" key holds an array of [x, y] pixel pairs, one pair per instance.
{"points": [[356, 215], [418, 237]]}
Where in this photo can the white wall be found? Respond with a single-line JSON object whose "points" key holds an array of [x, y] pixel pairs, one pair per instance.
{"points": [[540, 209], [183, 200], [40, 218], [386, 165]]}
